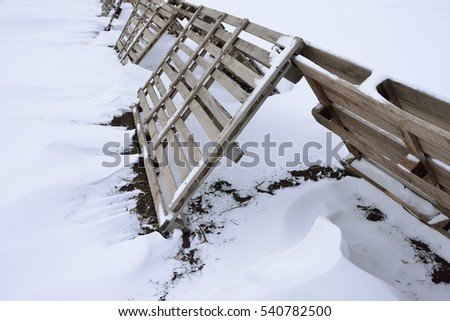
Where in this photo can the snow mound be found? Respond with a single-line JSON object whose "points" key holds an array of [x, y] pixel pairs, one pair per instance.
{"points": [[315, 268]]}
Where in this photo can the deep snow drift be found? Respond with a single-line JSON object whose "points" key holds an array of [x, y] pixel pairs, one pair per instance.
{"points": [[66, 232]]}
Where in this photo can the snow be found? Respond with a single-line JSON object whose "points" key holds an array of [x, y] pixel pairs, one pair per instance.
{"points": [[68, 233], [412, 158], [395, 187], [275, 277], [441, 164], [63, 224]]}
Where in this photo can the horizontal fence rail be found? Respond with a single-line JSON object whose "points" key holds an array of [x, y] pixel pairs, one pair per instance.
{"points": [[400, 130]]}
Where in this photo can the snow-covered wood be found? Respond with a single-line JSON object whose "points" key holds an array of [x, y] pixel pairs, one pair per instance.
{"points": [[386, 126], [215, 58]]}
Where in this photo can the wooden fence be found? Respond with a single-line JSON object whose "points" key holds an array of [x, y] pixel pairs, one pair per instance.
{"points": [[401, 130]]}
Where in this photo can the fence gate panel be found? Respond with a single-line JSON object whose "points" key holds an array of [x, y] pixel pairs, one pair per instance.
{"points": [[180, 109]]}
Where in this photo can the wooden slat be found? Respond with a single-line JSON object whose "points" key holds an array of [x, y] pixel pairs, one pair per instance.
{"points": [[216, 109], [150, 36], [186, 49], [143, 102], [179, 125], [160, 85], [153, 97], [181, 36], [159, 21], [157, 36], [442, 175], [183, 67], [343, 68], [208, 125], [253, 51], [250, 77], [264, 33], [135, 35], [391, 113], [172, 74], [417, 184], [391, 147], [158, 198], [415, 148], [119, 41], [165, 170], [203, 79], [231, 86], [440, 118], [195, 154], [179, 64], [174, 144], [232, 20], [218, 112], [433, 106], [132, 56], [235, 126], [243, 72], [161, 158], [434, 151]]}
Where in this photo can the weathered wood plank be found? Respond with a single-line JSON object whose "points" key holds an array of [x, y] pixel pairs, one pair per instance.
{"points": [[417, 184], [153, 97], [158, 35], [235, 126], [194, 152], [438, 117], [432, 106], [390, 146], [391, 113], [181, 36], [157, 196], [264, 33], [243, 72], [215, 108], [247, 75], [343, 68], [144, 103], [415, 148], [187, 50], [174, 144], [373, 115], [442, 175], [159, 21], [172, 74], [434, 151], [160, 86], [203, 79], [231, 86]]}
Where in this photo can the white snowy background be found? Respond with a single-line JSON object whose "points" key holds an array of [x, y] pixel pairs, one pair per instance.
{"points": [[66, 233]]}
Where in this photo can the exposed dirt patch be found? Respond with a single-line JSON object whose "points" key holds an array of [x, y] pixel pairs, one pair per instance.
{"points": [[125, 120], [202, 204], [190, 264], [225, 187], [197, 205], [439, 268], [314, 173], [145, 208], [372, 213]]}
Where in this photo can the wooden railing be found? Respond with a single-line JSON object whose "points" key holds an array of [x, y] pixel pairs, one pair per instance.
{"points": [[401, 130]]}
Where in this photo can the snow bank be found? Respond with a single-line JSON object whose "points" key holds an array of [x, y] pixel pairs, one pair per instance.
{"points": [[65, 231]]}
